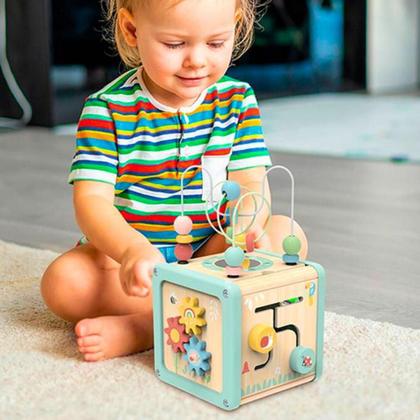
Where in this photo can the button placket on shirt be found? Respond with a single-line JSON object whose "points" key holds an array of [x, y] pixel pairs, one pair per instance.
{"points": [[184, 149]]}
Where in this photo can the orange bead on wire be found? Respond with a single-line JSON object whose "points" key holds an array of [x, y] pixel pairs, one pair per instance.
{"points": [[183, 248], [183, 252]]}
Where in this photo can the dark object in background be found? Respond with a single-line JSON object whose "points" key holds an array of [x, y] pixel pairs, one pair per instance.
{"points": [[354, 62], [77, 34], [28, 38], [326, 4], [32, 60], [285, 37]]}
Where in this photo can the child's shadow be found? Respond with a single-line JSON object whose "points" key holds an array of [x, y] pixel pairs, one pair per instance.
{"points": [[49, 334]]}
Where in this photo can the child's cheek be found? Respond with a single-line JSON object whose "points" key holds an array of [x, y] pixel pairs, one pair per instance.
{"points": [[162, 60], [168, 57], [223, 60]]}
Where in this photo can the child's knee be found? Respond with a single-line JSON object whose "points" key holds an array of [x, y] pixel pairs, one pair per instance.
{"points": [[63, 286]]}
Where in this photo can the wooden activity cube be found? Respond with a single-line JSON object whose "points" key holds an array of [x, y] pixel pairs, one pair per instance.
{"points": [[230, 341]]}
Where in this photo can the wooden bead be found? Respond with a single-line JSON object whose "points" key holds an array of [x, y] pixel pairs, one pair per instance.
{"points": [[250, 242], [233, 271], [184, 239], [291, 245], [246, 263], [240, 240], [183, 252], [183, 225], [234, 256], [231, 189]]}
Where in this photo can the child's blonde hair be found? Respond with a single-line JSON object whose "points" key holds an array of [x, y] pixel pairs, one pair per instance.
{"points": [[247, 11]]}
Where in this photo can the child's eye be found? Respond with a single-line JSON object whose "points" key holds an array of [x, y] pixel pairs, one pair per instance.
{"points": [[173, 45], [217, 44]]}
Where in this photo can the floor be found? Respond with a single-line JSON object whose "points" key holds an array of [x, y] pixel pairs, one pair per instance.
{"points": [[383, 127], [361, 218]]}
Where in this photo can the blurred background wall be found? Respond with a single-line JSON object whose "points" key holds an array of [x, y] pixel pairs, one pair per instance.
{"points": [[393, 45], [58, 55]]}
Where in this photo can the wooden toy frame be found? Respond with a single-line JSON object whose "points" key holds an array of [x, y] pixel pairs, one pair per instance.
{"points": [[197, 278]]}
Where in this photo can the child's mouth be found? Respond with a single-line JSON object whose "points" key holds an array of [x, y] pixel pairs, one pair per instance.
{"points": [[191, 81]]}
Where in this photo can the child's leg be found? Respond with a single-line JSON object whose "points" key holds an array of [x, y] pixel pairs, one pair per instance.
{"points": [[277, 230], [83, 286]]}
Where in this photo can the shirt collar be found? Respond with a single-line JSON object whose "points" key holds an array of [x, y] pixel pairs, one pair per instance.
{"points": [[166, 108]]}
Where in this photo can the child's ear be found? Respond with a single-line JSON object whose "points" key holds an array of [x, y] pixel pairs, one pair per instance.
{"points": [[128, 27]]}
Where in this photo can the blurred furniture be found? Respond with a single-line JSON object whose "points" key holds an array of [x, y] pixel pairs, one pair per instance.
{"points": [[28, 37], [78, 38], [286, 34], [393, 45]]}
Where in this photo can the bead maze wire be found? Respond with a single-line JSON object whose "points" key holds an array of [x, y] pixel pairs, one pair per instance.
{"points": [[236, 213], [292, 195], [219, 214]]}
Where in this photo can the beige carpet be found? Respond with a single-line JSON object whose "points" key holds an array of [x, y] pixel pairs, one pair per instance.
{"points": [[372, 369]]}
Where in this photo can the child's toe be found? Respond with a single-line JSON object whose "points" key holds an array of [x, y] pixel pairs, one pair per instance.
{"points": [[90, 340], [93, 357], [90, 349], [88, 327]]}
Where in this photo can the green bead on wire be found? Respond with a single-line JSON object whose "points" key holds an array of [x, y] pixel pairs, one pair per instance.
{"points": [[291, 245]]}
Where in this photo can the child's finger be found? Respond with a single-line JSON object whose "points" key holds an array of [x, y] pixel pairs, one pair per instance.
{"points": [[123, 282], [142, 272], [139, 291]]}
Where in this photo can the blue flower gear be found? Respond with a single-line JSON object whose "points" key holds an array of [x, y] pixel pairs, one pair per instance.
{"points": [[196, 356]]}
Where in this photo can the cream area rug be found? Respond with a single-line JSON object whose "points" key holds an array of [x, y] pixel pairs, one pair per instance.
{"points": [[372, 369]]}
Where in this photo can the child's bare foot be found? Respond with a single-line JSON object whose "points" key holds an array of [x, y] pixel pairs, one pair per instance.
{"points": [[112, 336]]}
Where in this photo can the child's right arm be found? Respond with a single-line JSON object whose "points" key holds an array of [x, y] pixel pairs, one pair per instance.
{"points": [[107, 230]]}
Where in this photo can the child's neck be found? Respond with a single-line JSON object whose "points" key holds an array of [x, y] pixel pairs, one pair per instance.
{"points": [[163, 96]]}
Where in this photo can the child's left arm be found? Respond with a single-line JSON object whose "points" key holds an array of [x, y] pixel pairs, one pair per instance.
{"points": [[248, 162], [251, 178]]}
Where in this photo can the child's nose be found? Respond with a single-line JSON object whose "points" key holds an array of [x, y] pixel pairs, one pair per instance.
{"points": [[196, 58]]}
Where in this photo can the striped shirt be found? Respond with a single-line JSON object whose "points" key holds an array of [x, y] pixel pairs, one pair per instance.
{"points": [[128, 139]]}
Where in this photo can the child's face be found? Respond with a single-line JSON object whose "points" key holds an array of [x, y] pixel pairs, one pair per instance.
{"points": [[184, 47]]}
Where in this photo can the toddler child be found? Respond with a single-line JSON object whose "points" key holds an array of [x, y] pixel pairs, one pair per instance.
{"points": [[136, 136]]}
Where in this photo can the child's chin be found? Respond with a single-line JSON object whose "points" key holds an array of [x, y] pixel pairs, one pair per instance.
{"points": [[190, 94]]}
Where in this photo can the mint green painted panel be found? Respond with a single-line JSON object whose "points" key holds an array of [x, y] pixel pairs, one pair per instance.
{"points": [[230, 297], [320, 318]]}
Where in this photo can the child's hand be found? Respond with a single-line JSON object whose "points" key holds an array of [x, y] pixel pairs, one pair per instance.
{"points": [[136, 269], [262, 243]]}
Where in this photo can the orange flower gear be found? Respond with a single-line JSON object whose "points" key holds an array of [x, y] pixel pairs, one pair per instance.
{"points": [[191, 315], [176, 334]]}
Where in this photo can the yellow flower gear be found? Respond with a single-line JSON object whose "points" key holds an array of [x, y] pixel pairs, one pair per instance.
{"points": [[191, 315]]}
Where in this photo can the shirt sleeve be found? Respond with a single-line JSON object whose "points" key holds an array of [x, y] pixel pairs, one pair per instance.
{"points": [[96, 157], [249, 149]]}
